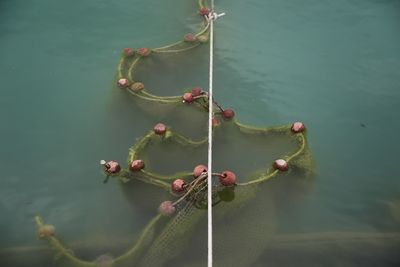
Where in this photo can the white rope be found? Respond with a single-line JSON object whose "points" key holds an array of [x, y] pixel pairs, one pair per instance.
{"points": [[210, 140]]}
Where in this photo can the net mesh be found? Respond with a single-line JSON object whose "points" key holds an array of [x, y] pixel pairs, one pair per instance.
{"points": [[168, 153]]}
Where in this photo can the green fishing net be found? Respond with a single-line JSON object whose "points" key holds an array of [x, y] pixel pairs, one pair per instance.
{"points": [[245, 158]]}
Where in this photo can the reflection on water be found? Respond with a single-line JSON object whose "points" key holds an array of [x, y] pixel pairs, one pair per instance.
{"points": [[331, 64]]}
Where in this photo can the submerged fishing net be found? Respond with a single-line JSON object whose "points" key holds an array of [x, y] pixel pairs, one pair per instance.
{"points": [[170, 157]]}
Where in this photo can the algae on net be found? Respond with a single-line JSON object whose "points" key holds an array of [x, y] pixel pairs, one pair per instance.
{"points": [[166, 154]]}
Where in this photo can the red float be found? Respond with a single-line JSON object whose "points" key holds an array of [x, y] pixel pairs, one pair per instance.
{"points": [[196, 91], [228, 113], [281, 164], [112, 167], [204, 11], [123, 83], [129, 52], [190, 37], [298, 127], [160, 129], [198, 170], [144, 52], [46, 231], [136, 165], [178, 185], [166, 208], [188, 97], [215, 122], [137, 86], [227, 178], [202, 38]]}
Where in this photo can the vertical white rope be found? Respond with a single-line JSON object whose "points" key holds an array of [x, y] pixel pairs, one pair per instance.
{"points": [[210, 140]]}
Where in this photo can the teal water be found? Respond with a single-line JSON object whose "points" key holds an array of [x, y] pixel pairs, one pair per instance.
{"points": [[332, 65]]}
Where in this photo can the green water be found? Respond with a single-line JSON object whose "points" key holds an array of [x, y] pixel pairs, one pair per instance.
{"points": [[332, 64]]}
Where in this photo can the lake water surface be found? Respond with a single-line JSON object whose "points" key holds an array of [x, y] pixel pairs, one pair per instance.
{"points": [[332, 64]]}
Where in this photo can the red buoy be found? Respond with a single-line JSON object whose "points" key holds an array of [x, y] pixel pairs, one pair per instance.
{"points": [[196, 91], [112, 167], [137, 86], [227, 178], [190, 37], [129, 52], [160, 129], [298, 127], [204, 11], [228, 113], [123, 83], [178, 185], [46, 231], [215, 122], [281, 164], [136, 165], [166, 208], [202, 38], [188, 97], [144, 52], [198, 170]]}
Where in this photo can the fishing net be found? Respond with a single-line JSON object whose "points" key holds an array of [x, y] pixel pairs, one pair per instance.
{"points": [[170, 158]]}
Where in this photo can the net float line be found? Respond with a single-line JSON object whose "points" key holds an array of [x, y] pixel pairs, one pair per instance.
{"points": [[138, 152], [131, 59], [129, 62]]}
